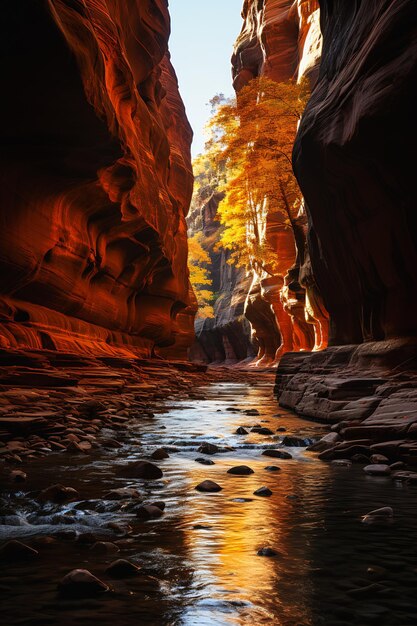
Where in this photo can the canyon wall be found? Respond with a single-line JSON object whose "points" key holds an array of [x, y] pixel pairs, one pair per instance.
{"points": [[96, 181], [354, 161], [281, 40]]}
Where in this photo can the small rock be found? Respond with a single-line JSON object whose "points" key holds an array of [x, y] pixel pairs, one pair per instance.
{"points": [[240, 470], [122, 569], [159, 454], [398, 465], [161, 505], [209, 486], [251, 412], [272, 468], [277, 454], [383, 515], [104, 547], [263, 491], [342, 462], [262, 430], [281, 429], [122, 493], [17, 476], [17, 551], [80, 583], [58, 493], [204, 461], [208, 448], [148, 511], [241, 431], [376, 572], [296, 442], [377, 470], [360, 458], [141, 469], [267, 552], [379, 459]]}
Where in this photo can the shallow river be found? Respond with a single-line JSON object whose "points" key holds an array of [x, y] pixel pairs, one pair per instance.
{"points": [[200, 558]]}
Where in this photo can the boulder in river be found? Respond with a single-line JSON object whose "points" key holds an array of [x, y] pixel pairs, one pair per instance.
{"points": [[15, 550], [262, 430], [208, 486], [240, 470], [241, 431], [297, 442], [277, 454], [58, 493], [122, 569], [141, 469], [265, 492], [80, 583]]}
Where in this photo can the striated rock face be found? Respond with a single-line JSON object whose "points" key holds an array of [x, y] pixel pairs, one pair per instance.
{"points": [[226, 338], [354, 168], [281, 39], [96, 180], [353, 164]]}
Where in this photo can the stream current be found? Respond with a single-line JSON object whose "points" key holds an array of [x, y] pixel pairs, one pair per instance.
{"points": [[199, 560]]}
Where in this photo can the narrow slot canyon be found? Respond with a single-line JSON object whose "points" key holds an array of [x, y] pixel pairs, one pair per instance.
{"points": [[208, 295]]}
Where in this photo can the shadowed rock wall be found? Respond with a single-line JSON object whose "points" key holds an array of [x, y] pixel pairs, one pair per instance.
{"points": [[96, 180], [354, 161]]}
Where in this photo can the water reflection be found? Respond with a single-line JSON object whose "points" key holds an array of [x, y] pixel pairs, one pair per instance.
{"points": [[204, 550]]}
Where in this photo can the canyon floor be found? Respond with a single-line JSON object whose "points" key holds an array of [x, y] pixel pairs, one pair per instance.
{"points": [[100, 464]]}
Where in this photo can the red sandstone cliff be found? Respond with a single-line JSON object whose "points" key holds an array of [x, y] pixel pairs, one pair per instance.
{"points": [[281, 39], [96, 180]]}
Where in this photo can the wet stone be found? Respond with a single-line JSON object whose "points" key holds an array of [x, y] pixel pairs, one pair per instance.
{"points": [[122, 493], [342, 462], [204, 461], [141, 469], [240, 470], [266, 551], [262, 430], [379, 516], [122, 569], [148, 512], [377, 470], [263, 491], [277, 454], [208, 448], [80, 583], [159, 454], [17, 476], [58, 493], [272, 468], [104, 547], [241, 431], [208, 486], [17, 551]]}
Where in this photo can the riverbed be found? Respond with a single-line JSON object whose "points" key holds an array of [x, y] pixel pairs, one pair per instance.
{"points": [[199, 561]]}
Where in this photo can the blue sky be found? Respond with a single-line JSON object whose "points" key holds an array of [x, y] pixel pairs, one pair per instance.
{"points": [[202, 36]]}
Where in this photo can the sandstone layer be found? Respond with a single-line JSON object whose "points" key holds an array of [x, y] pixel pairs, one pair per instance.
{"points": [[96, 181], [281, 40], [352, 160]]}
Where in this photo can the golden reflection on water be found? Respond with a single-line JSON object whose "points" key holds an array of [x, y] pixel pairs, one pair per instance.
{"points": [[226, 553]]}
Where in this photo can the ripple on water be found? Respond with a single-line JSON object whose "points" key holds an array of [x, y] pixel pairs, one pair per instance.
{"points": [[204, 550]]}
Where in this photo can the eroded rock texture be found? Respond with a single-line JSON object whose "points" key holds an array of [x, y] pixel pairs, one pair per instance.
{"points": [[353, 161], [96, 180], [225, 338], [281, 39]]}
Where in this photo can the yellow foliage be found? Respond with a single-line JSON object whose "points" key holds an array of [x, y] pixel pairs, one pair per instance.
{"points": [[198, 258], [250, 148]]}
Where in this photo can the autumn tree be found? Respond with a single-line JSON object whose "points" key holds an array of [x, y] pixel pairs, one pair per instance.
{"points": [[198, 262], [250, 146]]}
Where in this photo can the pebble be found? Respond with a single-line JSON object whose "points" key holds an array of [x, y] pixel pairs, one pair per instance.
{"points": [[80, 583], [208, 486]]}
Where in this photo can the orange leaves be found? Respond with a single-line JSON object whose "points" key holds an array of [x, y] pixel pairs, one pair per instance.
{"points": [[198, 258]]}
